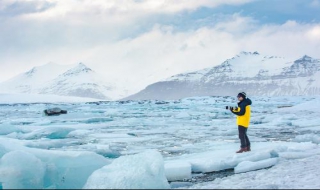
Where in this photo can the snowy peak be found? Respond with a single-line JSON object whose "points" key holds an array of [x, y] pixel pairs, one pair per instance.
{"points": [[67, 80], [29, 81], [47, 68], [305, 58], [249, 53], [79, 69], [80, 81], [251, 72], [243, 65], [306, 61], [83, 68], [31, 72], [305, 66]]}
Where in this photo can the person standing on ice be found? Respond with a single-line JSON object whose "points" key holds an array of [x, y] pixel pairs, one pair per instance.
{"points": [[243, 112]]}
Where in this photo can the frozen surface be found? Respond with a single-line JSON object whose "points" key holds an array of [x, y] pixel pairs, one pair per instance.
{"points": [[288, 174], [140, 171], [308, 138], [247, 166], [194, 136], [223, 160], [177, 170]]}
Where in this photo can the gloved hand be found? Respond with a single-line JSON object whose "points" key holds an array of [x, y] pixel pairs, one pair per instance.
{"points": [[231, 108]]}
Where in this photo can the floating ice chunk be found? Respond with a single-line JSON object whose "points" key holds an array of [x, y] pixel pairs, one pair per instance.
{"points": [[299, 155], [247, 166], [79, 133], [225, 162], [69, 170], [174, 150], [21, 170], [63, 169], [7, 129], [54, 144], [303, 146], [182, 115], [308, 138], [98, 120], [3, 151], [141, 171], [49, 132], [108, 153], [177, 170], [309, 106]]}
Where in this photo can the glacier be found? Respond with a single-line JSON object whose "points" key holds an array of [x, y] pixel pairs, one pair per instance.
{"points": [[188, 143]]}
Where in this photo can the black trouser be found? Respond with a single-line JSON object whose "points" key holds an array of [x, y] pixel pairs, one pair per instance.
{"points": [[243, 136]]}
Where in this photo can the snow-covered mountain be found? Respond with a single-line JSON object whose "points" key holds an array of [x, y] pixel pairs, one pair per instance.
{"points": [[79, 81], [29, 82], [251, 72], [66, 80]]}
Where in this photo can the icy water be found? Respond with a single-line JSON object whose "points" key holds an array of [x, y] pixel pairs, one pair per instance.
{"points": [[174, 128]]}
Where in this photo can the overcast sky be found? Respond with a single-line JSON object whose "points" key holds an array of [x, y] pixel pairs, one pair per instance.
{"points": [[145, 40]]}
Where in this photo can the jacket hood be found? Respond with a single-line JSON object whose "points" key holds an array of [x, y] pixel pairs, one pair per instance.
{"points": [[248, 101]]}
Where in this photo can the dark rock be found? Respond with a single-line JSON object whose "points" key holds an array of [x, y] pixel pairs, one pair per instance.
{"points": [[55, 111]]}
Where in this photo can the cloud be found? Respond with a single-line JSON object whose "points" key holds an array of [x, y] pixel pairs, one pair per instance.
{"points": [[128, 42], [162, 51], [29, 24], [314, 33], [10, 8], [315, 3], [126, 8]]}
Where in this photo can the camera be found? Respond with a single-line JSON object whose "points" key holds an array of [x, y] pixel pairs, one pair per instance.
{"points": [[231, 108]]}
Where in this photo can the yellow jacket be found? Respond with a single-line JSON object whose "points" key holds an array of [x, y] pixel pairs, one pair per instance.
{"points": [[243, 112]]}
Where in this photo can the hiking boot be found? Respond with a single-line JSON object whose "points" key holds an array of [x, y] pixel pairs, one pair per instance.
{"points": [[242, 150], [248, 149]]}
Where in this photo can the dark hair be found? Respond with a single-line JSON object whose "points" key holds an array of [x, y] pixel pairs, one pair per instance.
{"points": [[242, 94]]}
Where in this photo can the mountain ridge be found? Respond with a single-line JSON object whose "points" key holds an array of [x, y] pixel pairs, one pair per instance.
{"points": [[248, 71], [67, 80]]}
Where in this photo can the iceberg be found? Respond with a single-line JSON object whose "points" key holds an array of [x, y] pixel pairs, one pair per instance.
{"points": [[21, 170], [140, 171]]}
